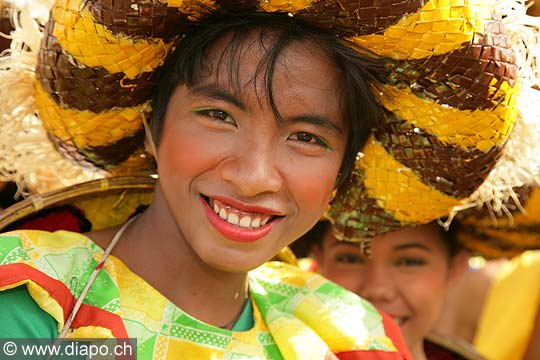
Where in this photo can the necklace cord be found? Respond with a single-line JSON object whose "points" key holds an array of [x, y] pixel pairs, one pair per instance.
{"points": [[93, 277], [95, 273]]}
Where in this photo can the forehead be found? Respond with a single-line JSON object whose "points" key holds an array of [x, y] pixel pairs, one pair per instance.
{"points": [[426, 237], [236, 60]]}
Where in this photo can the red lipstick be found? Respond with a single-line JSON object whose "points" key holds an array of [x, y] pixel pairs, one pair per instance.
{"points": [[234, 232]]}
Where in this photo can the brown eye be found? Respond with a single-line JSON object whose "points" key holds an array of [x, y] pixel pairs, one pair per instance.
{"points": [[410, 261], [349, 259], [305, 137], [216, 114], [308, 138]]}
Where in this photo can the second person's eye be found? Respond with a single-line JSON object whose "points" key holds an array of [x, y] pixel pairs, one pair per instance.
{"points": [[410, 261], [347, 258]]}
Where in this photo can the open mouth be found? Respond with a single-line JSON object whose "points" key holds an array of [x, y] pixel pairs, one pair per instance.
{"points": [[238, 217], [246, 225]]}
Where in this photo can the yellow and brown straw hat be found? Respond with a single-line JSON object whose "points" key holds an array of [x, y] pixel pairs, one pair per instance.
{"points": [[451, 102], [505, 233]]}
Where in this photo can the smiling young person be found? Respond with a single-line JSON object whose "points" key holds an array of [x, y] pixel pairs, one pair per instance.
{"points": [[407, 275], [256, 120]]}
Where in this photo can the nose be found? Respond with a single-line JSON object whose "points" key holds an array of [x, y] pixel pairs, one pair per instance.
{"points": [[377, 285], [253, 168]]}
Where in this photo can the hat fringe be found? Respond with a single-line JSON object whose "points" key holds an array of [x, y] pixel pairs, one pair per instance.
{"points": [[524, 33], [28, 157]]}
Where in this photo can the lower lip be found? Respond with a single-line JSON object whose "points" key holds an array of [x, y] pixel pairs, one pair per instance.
{"points": [[233, 232]]}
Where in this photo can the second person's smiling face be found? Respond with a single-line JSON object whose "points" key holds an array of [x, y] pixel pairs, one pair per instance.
{"points": [[407, 275], [240, 184]]}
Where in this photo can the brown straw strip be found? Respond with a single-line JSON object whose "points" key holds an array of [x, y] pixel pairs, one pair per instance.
{"points": [[87, 88], [463, 79], [496, 246], [358, 17], [446, 167], [245, 5], [355, 215], [105, 156], [139, 18]]}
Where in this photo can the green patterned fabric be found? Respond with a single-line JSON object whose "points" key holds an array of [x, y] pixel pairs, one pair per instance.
{"points": [[292, 311]]}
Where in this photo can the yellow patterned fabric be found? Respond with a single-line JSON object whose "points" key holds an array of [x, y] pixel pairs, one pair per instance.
{"points": [[508, 317], [297, 315]]}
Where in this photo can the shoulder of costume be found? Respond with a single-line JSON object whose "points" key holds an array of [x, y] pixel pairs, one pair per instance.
{"points": [[55, 266], [348, 324], [43, 249]]}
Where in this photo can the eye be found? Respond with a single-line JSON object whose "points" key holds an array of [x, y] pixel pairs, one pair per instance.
{"points": [[216, 114], [348, 258], [410, 261], [308, 138]]}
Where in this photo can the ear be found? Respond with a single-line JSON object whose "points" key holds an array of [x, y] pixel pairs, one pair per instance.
{"points": [[458, 265]]}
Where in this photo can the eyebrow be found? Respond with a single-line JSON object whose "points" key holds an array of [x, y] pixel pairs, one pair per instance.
{"points": [[346, 243], [213, 92], [318, 121], [412, 246]]}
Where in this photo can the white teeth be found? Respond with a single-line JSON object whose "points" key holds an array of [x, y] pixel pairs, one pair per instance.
{"points": [[245, 222], [233, 219], [223, 214]]}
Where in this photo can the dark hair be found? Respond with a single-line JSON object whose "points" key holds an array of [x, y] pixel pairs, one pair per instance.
{"points": [[359, 68], [449, 237], [303, 246]]}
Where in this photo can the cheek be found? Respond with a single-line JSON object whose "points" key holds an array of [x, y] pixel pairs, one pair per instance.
{"points": [[426, 294], [345, 276], [347, 279], [312, 182], [183, 152]]}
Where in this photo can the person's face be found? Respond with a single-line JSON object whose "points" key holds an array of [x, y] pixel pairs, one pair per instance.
{"points": [[406, 277], [239, 184]]}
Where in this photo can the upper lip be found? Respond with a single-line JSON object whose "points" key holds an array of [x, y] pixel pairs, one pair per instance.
{"points": [[245, 206]]}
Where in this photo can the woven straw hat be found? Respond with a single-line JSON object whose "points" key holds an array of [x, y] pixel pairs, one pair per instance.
{"points": [[503, 234], [451, 103]]}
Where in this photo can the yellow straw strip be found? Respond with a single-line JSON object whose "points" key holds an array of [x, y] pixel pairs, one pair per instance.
{"points": [[480, 129], [398, 190], [439, 27], [93, 45], [85, 128]]}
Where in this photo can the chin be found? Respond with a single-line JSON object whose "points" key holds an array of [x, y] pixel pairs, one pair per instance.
{"points": [[232, 263], [412, 337]]}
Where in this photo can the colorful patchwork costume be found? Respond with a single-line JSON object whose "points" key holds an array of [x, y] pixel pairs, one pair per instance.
{"points": [[297, 315]]}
